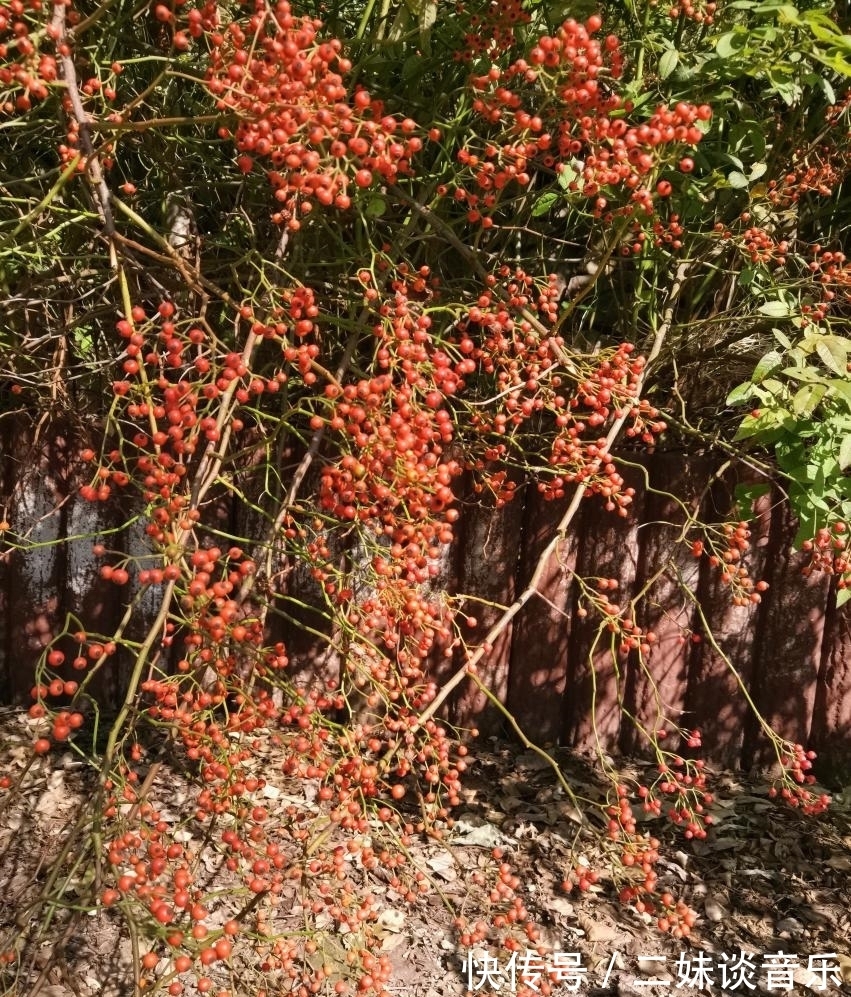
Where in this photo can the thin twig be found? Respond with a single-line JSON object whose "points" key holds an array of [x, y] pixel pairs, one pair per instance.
{"points": [[469, 667], [68, 72]]}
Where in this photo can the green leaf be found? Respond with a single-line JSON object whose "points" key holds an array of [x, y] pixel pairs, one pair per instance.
{"points": [[740, 393], [787, 11], [746, 495], [758, 170], [833, 351], [765, 426], [825, 29], [731, 43], [809, 374], [842, 388], [426, 14], [668, 63], [748, 138], [84, 343], [842, 596], [845, 452], [566, 176], [807, 398], [782, 338], [785, 87], [775, 309], [375, 208], [817, 501], [826, 88], [737, 180], [747, 428], [413, 67], [544, 203], [835, 62], [401, 24], [771, 361]]}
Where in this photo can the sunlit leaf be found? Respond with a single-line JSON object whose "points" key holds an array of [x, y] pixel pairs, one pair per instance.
{"points": [[771, 361], [775, 309], [544, 203], [807, 398], [833, 352], [668, 63]]}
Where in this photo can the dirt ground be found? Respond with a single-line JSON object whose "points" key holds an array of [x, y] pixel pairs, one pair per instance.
{"points": [[772, 888]]}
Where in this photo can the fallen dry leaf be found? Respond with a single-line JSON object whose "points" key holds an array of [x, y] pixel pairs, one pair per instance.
{"points": [[597, 931], [789, 926], [391, 920], [480, 835], [840, 862], [559, 905], [713, 910]]}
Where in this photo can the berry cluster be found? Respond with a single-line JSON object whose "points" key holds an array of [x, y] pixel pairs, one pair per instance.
{"points": [[820, 175], [609, 390], [393, 476], [153, 871], [729, 558], [508, 928], [669, 232], [63, 722], [507, 335], [287, 88], [396, 424], [700, 12], [830, 552], [582, 877], [25, 70], [635, 638], [791, 786], [583, 130], [683, 782], [819, 167], [492, 32], [832, 273], [760, 246], [179, 32], [637, 858]]}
